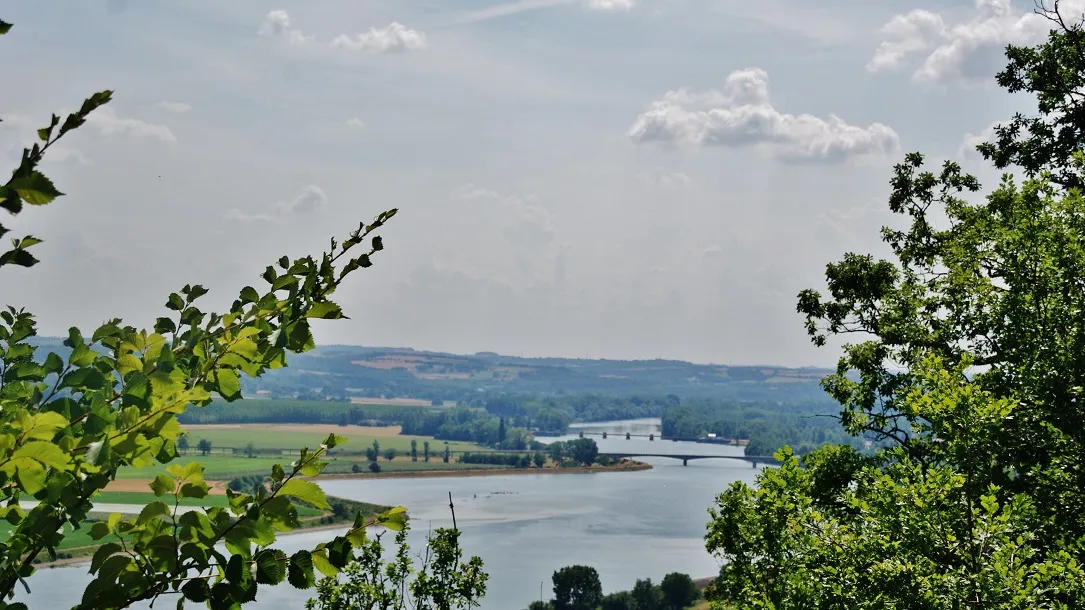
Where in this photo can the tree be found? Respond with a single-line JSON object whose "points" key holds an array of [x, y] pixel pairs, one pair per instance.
{"points": [[204, 446], [376, 451], [540, 605], [390, 454], [182, 443], [679, 591], [443, 580], [501, 432], [250, 450], [374, 467], [969, 367], [619, 601], [583, 450], [448, 453], [425, 450], [414, 450], [577, 588], [647, 595], [539, 459], [70, 423]]}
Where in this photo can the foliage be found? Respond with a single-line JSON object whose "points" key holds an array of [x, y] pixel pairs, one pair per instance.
{"points": [[577, 588], [69, 423], [766, 425], [622, 600], [520, 460], [583, 451], [970, 368], [647, 595], [679, 591], [443, 581]]}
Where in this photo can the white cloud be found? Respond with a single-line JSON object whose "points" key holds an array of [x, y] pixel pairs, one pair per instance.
{"points": [[712, 251], [961, 53], [528, 223], [277, 24], [972, 140], [178, 107], [609, 5], [391, 39], [106, 121], [355, 122], [311, 199], [666, 178], [742, 114]]}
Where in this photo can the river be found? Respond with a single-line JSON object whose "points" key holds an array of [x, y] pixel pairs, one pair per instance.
{"points": [[627, 525]]}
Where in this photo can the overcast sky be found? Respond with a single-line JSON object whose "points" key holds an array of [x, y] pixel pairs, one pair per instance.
{"points": [[581, 178]]}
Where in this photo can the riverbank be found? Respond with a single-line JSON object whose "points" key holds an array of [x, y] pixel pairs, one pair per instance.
{"points": [[624, 466]]}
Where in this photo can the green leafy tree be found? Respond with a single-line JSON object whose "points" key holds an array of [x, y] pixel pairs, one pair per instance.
{"points": [[539, 458], [390, 454], [583, 451], [970, 367], [376, 451], [577, 588], [679, 591], [425, 450], [182, 443], [540, 605], [618, 601], [374, 467], [647, 595], [414, 450], [442, 581], [68, 425], [448, 454], [204, 446], [250, 450]]}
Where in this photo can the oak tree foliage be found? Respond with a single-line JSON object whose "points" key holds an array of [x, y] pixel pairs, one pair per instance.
{"points": [[969, 361]]}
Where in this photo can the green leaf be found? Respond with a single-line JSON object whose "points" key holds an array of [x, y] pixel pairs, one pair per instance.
{"points": [[46, 453], [321, 563], [270, 567], [228, 384], [394, 518], [162, 484], [35, 188], [306, 491], [196, 590], [300, 573], [175, 302], [325, 311]]}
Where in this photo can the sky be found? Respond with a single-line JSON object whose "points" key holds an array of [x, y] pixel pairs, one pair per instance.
{"points": [[581, 178]]}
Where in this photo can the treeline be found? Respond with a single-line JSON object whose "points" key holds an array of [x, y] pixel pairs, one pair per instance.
{"points": [[261, 411], [578, 588], [468, 424], [555, 413], [767, 425]]}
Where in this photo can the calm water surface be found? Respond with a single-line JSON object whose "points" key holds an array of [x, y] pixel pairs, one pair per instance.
{"points": [[627, 525]]}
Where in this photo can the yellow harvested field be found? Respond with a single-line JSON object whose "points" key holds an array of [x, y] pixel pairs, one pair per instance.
{"points": [[218, 488]]}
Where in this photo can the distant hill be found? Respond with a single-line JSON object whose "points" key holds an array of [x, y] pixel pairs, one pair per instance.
{"points": [[404, 372], [344, 372]]}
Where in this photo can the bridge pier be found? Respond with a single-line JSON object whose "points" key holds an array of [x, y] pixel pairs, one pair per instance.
{"points": [[685, 462], [581, 434], [626, 436], [604, 435], [651, 437]]}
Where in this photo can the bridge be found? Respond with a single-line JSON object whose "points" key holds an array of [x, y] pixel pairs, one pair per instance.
{"points": [[715, 440], [754, 460]]}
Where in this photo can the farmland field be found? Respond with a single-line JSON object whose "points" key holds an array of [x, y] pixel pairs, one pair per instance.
{"points": [[216, 467], [296, 436]]}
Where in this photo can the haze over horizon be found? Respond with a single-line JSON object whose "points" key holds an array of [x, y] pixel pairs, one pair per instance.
{"points": [[629, 179]]}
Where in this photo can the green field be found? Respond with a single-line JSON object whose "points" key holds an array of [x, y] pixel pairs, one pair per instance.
{"points": [[358, 439], [216, 467]]}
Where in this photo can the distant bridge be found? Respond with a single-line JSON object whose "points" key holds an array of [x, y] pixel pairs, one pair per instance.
{"points": [[714, 440], [754, 460]]}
